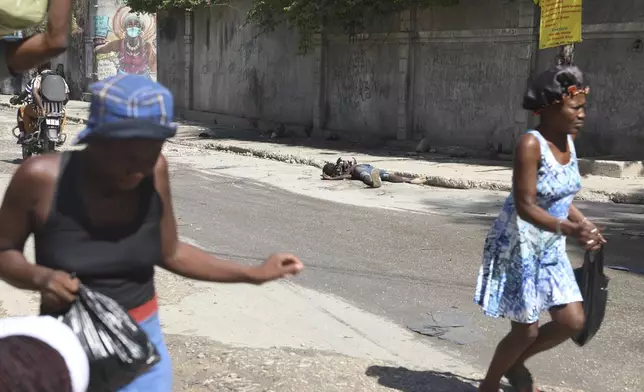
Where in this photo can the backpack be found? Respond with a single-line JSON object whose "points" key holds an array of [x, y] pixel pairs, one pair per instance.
{"points": [[53, 87]]}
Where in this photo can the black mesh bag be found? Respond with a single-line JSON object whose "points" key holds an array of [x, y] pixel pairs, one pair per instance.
{"points": [[117, 348], [594, 289]]}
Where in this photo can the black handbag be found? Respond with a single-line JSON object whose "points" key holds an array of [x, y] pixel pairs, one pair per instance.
{"points": [[594, 290]]}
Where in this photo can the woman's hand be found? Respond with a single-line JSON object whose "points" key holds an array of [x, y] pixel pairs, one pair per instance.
{"points": [[277, 266], [58, 290], [593, 227], [600, 240], [589, 235]]}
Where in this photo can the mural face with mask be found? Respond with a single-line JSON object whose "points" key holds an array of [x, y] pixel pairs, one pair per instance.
{"points": [[128, 47], [133, 26]]}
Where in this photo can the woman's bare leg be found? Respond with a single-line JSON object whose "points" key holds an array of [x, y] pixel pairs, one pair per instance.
{"points": [[567, 321], [510, 348]]}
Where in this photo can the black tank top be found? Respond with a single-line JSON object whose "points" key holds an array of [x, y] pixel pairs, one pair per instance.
{"points": [[116, 261]]}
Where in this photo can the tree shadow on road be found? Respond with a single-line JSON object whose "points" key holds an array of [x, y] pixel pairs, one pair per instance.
{"points": [[475, 208], [406, 380], [622, 225]]}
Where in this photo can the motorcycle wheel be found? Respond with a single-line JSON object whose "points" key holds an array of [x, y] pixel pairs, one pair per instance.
{"points": [[48, 147], [26, 152]]}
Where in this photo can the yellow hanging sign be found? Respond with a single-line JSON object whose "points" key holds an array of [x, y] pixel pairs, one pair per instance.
{"points": [[560, 23]]}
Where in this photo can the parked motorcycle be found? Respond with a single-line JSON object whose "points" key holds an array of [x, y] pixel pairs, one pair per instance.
{"points": [[47, 133]]}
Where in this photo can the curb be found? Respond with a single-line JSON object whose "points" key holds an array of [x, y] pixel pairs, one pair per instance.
{"points": [[436, 181]]}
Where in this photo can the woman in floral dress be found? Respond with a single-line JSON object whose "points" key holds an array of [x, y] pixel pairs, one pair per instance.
{"points": [[525, 268]]}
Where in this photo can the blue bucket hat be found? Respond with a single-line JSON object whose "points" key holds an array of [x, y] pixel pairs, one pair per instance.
{"points": [[128, 107]]}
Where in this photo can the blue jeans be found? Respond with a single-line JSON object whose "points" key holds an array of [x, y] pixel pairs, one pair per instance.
{"points": [[159, 378], [366, 168]]}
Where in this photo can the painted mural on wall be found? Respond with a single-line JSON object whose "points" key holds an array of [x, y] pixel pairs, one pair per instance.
{"points": [[125, 43]]}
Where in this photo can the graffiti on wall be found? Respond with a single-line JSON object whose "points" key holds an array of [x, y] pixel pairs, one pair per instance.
{"points": [[125, 44]]}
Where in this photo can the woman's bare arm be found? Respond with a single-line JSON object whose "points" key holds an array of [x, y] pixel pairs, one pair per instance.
{"points": [[35, 93], [16, 217], [335, 178], [35, 50], [191, 262], [524, 182], [110, 47], [152, 59], [574, 215]]}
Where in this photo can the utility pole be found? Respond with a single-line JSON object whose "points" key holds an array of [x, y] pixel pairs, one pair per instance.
{"points": [[565, 55]]}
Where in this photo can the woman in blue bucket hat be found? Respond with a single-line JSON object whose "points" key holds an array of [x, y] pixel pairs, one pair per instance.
{"points": [[105, 214]]}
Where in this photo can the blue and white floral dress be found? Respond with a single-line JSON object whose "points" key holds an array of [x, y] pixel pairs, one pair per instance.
{"points": [[526, 269]]}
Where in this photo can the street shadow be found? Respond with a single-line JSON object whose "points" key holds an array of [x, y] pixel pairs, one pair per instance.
{"points": [[479, 212], [15, 161], [406, 380], [621, 224]]}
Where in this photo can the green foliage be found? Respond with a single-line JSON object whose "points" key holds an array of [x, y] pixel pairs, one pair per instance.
{"points": [[309, 16], [153, 6], [305, 16]]}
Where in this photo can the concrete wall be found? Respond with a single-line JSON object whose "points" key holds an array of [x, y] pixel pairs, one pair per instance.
{"points": [[455, 74], [237, 74], [471, 67], [78, 62], [173, 70], [612, 55], [362, 88]]}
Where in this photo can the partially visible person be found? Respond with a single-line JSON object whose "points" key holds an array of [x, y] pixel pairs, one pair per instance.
{"points": [[60, 71], [41, 354], [367, 173], [33, 103], [21, 55], [105, 214], [525, 269]]}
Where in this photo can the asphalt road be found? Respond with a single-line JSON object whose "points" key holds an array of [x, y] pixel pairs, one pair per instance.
{"points": [[405, 265]]}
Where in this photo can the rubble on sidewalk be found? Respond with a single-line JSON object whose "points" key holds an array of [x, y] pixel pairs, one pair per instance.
{"points": [[202, 365]]}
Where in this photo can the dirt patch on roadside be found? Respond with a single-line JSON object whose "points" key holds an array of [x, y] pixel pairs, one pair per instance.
{"points": [[202, 365]]}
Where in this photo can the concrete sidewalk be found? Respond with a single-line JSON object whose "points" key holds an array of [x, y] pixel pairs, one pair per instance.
{"points": [[439, 170]]}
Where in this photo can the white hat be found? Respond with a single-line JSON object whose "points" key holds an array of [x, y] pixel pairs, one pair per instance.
{"points": [[56, 335]]}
